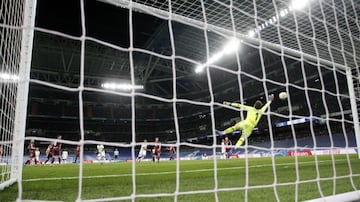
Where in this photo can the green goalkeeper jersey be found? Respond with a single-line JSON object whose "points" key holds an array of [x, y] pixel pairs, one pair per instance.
{"points": [[253, 115]]}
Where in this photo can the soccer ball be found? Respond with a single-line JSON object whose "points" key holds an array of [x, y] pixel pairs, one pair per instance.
{"points": [[283, 96]]}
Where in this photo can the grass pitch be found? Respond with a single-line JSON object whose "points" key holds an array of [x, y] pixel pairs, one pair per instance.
{"points": [[195, 178]]}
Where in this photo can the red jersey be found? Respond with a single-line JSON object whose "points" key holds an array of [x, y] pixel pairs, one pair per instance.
{"points": [[171, 150], [157, 147], [31, 148], [57, 149], [228, 145], [78, 151], [50, 150]]}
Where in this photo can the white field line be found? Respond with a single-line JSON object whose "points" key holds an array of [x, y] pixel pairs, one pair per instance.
{"points": [[171, 172]]}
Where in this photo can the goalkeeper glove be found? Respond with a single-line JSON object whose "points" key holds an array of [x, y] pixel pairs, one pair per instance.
{"points": [[227, 103], [271, 97]]}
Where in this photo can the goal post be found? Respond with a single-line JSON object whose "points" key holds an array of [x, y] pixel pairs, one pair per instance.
{"points": [[354, 108], [349, 196], [17, 42]]}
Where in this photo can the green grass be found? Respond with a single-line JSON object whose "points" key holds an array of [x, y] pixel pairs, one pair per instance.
{"points": [[115, 180]]}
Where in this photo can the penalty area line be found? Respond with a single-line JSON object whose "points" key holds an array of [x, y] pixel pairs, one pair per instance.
{"points": [[170, 172]]}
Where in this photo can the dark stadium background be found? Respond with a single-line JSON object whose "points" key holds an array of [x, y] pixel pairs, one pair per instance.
{"points": [[107, 117]]}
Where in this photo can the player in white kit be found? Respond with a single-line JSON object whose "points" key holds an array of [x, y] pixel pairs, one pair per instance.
{"points": [[142, 152]]}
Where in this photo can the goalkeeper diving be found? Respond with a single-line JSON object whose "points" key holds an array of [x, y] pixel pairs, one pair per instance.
{"points": [[253, 117]]}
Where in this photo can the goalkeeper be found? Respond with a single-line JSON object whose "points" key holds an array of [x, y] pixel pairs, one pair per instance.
{"points": [[252, 119]]}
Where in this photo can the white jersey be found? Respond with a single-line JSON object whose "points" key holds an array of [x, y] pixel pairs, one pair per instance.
{"points": [[143, 149], [37, 155], [64, 155], [101, 152], [100, 148], [223, 147]]}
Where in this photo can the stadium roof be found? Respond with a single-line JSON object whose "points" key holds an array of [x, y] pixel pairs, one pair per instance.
{"points": [[56, 58]]}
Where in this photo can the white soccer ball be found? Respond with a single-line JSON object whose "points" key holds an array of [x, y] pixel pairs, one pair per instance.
{"points": [[283, 96]]}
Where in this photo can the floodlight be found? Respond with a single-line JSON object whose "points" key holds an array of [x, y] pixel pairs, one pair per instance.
{"points": [[8, 77], [299, 4], [216, 57], [199, 68], [121, 86], [274, 19], [231, 46], [251, 33], [282, 13]]}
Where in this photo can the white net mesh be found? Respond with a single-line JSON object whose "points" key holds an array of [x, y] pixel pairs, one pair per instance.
{"points": [[323, 24], [11, 14], [124, 71]]}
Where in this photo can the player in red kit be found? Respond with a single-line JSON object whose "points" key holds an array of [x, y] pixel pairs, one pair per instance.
{"points": [[227, 144], [157, 150], [77, 153], [49, 153], [31, 149], [171, 152], [57, 150], [1, 152]]}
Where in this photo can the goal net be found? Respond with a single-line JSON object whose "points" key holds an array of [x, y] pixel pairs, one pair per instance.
{"points": [[111, 77], [16, 29]]}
